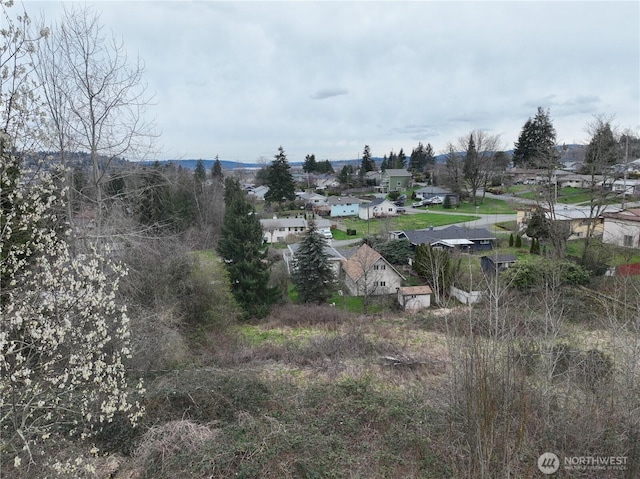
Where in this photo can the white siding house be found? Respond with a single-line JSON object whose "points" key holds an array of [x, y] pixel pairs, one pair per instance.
{"points": [[378, 208], [279, 229], [622, 228], [367, 273]]}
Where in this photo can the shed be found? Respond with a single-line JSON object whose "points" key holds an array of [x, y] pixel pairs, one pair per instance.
{"points": [[414, 298], [496, 263]]}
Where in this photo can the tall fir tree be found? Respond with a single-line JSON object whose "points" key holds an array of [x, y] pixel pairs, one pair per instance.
{"points": [[310, 165], [367, 163], [536, 145], [279, 180], [313, 275], [200, 173], [216, 170], [417, 160], [240, 248], [401, 161]]}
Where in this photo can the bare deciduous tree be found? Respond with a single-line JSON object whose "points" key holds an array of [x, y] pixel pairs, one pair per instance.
{"points": [[95, 95]]}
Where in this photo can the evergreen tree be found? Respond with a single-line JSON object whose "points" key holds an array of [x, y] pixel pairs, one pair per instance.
{"points": [[446, 203], [325, 167], [429, 156], [518, 243], [417, 160], [216, 170], [310, 165], [345, 177], [281, 185], [200, 173], [313, 275], [536, 145], [240, 247], [385, 164], [511, 240], [367, 163], [401, 162]]}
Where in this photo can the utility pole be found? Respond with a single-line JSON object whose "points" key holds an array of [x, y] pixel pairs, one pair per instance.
{"points": [[626, 167]]}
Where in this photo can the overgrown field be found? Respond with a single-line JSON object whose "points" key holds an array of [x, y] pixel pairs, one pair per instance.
{"points": [[315, 392]]}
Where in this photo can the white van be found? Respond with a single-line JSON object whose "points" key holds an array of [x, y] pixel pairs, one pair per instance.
{"points": [[326, 233]]}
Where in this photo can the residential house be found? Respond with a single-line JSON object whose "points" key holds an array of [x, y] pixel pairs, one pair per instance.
{"points": [[378, 208], [258, 192], [622, 228], [414, 298], [493, 264], [278, 230], [334, 257], [580, 181], [343, 206], [452, 237], [629, 186], [394, 180], [313, 199], [367, 273], [577, 218], [325, 182]]}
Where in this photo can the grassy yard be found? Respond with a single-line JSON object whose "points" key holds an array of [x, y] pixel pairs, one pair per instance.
{"points": [[404, 222], [487, 207]]}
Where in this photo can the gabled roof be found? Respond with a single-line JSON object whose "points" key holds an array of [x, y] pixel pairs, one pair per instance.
{"points": [[284, 223], [501, 258], [343, 200], [415, 290], [625, 215], [331, 252], [362, 260], [376, 202]]}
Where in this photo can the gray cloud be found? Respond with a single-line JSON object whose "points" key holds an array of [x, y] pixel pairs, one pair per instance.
{"points": [[329, 93], [229, 76]]}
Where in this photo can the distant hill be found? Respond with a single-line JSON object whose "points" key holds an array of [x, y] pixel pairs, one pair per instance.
{"points": [[570, 152]]}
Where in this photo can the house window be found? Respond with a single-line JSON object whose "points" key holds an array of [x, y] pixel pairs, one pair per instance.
{"points": [[380, 283], [628, 240], [378, 267], [485, 241]]}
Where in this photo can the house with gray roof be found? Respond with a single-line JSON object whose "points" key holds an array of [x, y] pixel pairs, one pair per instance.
{"points": [[451, 237]]}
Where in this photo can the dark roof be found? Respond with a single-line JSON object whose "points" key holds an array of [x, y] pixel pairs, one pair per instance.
{"points": [[501, 258], [375, 202], [449, 233]]}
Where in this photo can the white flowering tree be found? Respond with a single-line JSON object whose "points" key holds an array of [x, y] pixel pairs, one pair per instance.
{"points": [[63, 335]]}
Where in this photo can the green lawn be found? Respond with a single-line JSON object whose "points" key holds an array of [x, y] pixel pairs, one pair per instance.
{"points": [[487, 207], [566, 195], [403, 222]]}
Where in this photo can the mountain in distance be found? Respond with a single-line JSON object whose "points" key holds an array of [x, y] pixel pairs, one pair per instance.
{"points": [[570, 152]]}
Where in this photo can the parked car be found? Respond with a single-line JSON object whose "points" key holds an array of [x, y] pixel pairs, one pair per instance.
{"points": [[398, 203], [418, 204], [326, 233], [401, 210], [436, 200]]}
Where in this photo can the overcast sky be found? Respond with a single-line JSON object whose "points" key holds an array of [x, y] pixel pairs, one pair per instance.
{"points": [[239, 79]]}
